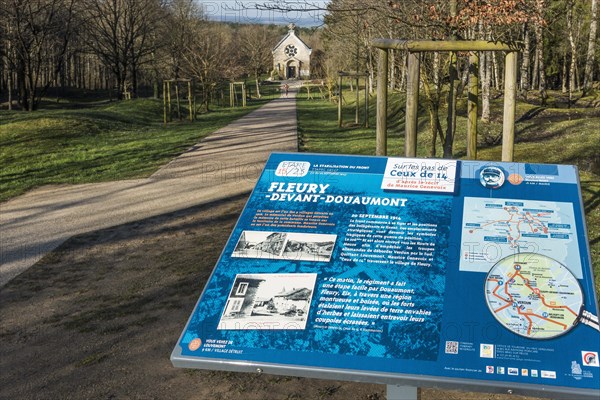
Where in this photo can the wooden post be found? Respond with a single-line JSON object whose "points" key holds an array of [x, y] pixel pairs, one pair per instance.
{"points": [[472, 106], [382, 102], [510, 106], [231, 95], [169, 98], [412, 105], [195, 104], [190, 104], [165, 103], [416, 46], [340, 103], [177, 99], [244, 95]]}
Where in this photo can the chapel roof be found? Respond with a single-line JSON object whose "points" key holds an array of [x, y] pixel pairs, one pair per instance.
{"points": [[291, 33]]}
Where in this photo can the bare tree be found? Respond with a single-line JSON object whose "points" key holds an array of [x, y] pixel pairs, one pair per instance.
{"points": [[121, 32], [38, 33], [212, 56], [183, 17], [255, 44]]}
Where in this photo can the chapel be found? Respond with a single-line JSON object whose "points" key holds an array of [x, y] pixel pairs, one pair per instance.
{"points": [[291, 56]]}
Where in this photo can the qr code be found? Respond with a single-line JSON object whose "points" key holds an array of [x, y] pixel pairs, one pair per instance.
{"points": [[451, 347]]}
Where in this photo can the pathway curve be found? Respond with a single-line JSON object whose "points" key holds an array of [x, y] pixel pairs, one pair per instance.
{"points": [[225, 164]]}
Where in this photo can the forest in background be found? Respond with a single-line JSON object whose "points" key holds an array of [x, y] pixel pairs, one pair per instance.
{"points": [[123, 46]]}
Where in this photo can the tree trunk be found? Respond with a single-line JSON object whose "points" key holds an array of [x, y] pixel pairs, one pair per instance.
{"points": [[464, 79], [591, 52], [486, 73], [371, 70], [392, 63], [9, 88], [564, 73], [22, 95], [257, 76], [436, 70], [432, 102], [134, 78], [30, 91], [535, 71], [403, 72], [484, 76], [452, 92], [8, 66], [63, 76], [573, 45], [539, 55], [88, 72], [433, 115], [119, 84], [497, 83], [526, 63], [543, 94], [435, 126]]}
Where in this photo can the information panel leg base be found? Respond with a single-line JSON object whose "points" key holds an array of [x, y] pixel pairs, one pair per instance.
{"points": [[395, 392]]}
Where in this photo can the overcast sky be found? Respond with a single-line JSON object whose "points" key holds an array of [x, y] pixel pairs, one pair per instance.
{"points": [[243, 11]]}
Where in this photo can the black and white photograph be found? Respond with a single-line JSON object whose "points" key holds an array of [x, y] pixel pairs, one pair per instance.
{"points": [[268, 301], [285, 246]]}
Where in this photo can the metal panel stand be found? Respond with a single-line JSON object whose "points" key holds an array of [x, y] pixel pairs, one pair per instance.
{"points": [[395, 392]]}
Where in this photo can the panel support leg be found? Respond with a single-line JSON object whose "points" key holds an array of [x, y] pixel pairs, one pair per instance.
{"points": [[395, 392]]}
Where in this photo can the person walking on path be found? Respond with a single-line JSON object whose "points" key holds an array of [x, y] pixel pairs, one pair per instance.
{"points": [[286, 89]]}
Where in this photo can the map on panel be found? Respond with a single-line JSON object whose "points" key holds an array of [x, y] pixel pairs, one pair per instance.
{"points": [[533, 295], [495, 228]]}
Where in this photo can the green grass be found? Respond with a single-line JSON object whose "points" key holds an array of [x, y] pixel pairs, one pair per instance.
{"points": [[121, 140], [543, 135]]}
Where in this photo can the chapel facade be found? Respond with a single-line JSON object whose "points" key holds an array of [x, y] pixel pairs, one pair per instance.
{"points": [[291, 56]]}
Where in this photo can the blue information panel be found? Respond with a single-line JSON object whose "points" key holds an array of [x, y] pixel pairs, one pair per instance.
{"points": [[394, 270]]}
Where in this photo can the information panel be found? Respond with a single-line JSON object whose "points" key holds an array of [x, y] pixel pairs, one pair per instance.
{"points": [[395, 270]]}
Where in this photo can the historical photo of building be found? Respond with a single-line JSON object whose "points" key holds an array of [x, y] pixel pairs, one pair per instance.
{"points": [[285, 246], [268, 301]]}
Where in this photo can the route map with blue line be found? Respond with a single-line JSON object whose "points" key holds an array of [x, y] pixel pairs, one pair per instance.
{"points": [[495, 228]]}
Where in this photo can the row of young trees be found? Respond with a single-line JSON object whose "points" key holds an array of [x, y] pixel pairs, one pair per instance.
{"points": [[557, 38], [124, 44], [121, 45]]}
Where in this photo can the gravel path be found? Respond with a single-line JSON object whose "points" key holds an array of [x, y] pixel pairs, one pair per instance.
{"points": [[223, 165]]}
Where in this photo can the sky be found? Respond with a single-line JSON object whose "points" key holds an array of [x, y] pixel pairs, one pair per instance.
{"points": [[243, 11]]}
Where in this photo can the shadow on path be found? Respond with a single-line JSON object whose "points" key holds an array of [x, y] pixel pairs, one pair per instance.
{"points": [[227, 163]]}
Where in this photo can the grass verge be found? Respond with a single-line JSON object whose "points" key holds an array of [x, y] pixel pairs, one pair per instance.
{"points": [[121, 140]]}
